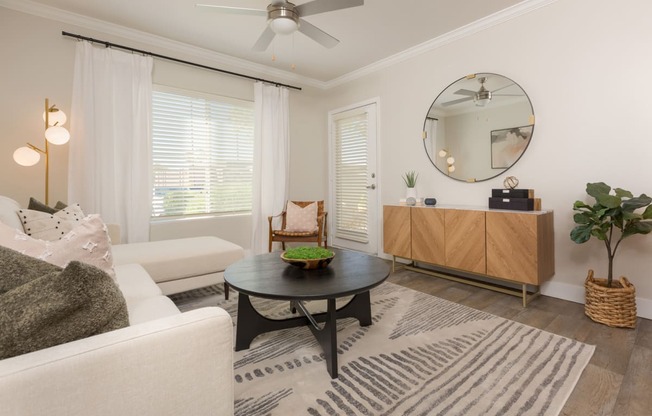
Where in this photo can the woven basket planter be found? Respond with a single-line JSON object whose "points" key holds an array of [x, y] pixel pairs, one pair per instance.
{"points": [[613, 306]]}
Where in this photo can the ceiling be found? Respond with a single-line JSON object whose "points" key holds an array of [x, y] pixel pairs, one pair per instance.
{"points": [[368, 34]]}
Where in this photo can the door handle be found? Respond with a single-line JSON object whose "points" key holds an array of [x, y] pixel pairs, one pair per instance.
{"points": [[372, 186]]}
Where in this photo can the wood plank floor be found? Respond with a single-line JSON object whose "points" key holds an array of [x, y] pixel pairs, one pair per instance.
{"points": [[617, 381]]}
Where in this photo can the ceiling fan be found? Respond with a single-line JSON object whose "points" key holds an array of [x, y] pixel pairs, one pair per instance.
{"points": [[481, 97], [284, 17]]}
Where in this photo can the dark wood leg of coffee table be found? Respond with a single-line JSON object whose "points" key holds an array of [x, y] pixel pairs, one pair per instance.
{"points": [[251, 323], [326, 335]]}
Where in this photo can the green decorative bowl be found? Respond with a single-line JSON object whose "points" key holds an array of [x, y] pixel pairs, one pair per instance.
{"points": [[308, 264]]}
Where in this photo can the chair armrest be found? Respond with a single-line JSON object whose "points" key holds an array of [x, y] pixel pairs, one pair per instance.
{"points": [[182, 364]]}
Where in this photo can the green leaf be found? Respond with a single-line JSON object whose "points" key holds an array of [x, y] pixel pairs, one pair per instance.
{"points": [[623, 193], [598, 233], [582, 218], [636, 203], [647, 214], [609, 201], [643, 227], [628, 216], [581, 233], [580, 204], [598, 188]]}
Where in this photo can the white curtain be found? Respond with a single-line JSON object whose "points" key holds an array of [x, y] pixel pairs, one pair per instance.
{"points": [[271, 159], [109, 166]]}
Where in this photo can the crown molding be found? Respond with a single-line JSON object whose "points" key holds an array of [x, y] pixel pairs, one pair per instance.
{"points": [[206, 56], [52, 13], [526, 6]]}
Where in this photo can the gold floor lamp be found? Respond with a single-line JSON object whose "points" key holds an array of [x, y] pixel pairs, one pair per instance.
{"points": [[55, 133]]}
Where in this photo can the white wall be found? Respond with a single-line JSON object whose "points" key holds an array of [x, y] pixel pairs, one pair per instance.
{"points": [[586, 66], [38, 63]]}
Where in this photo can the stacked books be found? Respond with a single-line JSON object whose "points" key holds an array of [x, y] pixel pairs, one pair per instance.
{"points": [[514, 199]]}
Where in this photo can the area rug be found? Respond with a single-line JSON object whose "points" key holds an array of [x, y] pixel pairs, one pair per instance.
{"points": [[421, 356]]}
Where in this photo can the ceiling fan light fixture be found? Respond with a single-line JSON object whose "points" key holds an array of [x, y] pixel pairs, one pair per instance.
{"points": [[482, 98], [283, 25], [283, 19]]}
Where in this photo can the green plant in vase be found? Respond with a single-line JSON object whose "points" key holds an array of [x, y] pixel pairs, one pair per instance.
{"points": [[613, 217], [410, 179]]}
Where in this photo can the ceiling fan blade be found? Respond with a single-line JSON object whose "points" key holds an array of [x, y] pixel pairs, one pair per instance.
{"points": [[461, 100], [506, 95], [465, 92], [264, 40], [502, 88], [316, 34], [234, 10], [321, 6]]}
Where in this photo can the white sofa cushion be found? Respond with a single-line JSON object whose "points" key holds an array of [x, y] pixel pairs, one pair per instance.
{"points": [[135, 283], [149, 309], [145, 301], [8, 212], [180, 258]]}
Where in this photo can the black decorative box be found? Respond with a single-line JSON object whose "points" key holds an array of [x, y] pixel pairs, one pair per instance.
{"points": [[518, 204], [512, 193]]}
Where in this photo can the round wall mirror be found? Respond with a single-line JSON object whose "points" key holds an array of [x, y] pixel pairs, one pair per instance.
{"points": [[478, 127]]}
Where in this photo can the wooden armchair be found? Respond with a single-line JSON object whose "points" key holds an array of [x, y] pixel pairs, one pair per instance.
{"points": [[286, 236]]}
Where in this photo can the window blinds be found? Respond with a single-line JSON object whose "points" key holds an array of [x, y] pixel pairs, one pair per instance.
{"points": [[351, 199], [202, 154]]}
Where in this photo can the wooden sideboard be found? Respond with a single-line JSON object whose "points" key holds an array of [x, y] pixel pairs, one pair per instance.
{"points": [[461, 243]]}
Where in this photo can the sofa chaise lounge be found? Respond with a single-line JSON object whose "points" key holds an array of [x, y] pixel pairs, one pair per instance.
{"points": [[164, 363]]}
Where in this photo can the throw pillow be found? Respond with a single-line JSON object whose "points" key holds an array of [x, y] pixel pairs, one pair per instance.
{"points": [[18, 269], [50, 227], [8, 212], [36, 205], [301, 219], [88, 242], [58, 307]]}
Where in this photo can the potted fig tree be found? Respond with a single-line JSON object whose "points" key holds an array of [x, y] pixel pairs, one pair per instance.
{"points": [[615, 215]]}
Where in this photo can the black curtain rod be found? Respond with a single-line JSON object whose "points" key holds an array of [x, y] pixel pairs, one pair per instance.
{"points": [[181, 61]]}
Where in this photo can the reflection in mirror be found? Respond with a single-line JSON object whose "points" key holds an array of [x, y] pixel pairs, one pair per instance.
{"points": [[478, 127]]}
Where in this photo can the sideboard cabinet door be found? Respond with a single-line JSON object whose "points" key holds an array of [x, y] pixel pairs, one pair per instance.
{"points": [[465, 240], [428, 235], [397, 237], [520, 247]]}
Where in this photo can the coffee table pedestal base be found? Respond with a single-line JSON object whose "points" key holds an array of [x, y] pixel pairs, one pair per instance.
{"points": [[251, 323]]}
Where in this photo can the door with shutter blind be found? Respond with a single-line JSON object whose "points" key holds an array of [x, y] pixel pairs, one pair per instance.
{"points": [[353, 211]]}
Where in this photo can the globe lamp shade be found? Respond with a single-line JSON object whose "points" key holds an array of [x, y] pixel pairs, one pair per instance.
{"points": [[26, 156], [56, 117], [57, 135]]}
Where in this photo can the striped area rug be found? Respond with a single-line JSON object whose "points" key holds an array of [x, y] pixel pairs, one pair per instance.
{"points": [[422, 356]]}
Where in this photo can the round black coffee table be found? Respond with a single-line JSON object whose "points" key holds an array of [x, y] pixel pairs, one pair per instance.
{"points": [[267, 276]]}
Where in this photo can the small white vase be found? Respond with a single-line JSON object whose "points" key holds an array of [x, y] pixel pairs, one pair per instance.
{"points": [[411, 193]]}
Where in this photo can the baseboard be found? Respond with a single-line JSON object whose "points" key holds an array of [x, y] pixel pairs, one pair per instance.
{"points": [[575, 293]]}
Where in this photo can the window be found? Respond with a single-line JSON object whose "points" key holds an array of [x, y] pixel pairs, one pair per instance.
{"points": [[202, 154]]}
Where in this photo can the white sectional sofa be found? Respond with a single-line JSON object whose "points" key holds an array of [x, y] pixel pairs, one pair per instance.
{"points": [[165, 363]]}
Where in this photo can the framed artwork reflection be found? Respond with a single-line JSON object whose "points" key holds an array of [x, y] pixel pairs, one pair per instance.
{"points": [[507, 145]]}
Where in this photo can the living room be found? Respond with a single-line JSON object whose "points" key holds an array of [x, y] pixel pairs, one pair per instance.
{"points": [[582, 63]]}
